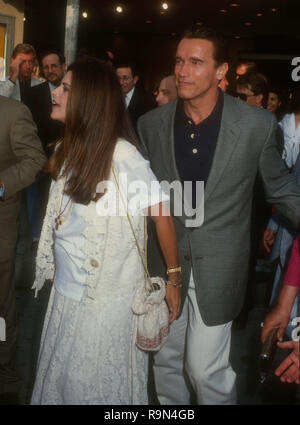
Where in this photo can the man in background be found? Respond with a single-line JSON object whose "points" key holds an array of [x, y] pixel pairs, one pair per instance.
{"points": [[21, 70], [253, 89], [138, 102], [167, 90], [39, 98]]}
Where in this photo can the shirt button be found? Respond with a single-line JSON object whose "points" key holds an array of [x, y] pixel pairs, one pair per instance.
{"points": [[195, 151], [192, 135], [190, 122], [94, 262]]}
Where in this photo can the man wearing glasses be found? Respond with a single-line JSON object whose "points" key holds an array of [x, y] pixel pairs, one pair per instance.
{"points": [[253, 89]]}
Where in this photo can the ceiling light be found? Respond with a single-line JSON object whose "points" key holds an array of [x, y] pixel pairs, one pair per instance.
{"points": [[223, 10], [165, 6], [259, 14], [274, 9], [24, 19], [119, 9], [234, 5], [248, 24], [148, 21], [237, 37], [84, 15], [199, 23]]}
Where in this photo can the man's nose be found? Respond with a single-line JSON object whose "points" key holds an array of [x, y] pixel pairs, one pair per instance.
{"points": [[183, 68]]}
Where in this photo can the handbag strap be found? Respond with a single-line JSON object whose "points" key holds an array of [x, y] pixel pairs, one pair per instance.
{"points": [[143, 257]]}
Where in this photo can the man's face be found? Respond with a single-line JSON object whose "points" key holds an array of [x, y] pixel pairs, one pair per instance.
{"points": [[196, 71], [52, 69], [246, 94], [167, 90], [127, 80], [26, 66]]}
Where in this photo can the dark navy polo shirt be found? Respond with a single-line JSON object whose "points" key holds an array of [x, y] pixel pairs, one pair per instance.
{"points": [[195, 144]]}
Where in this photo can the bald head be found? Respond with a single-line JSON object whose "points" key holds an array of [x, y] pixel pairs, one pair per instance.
{"points": [[167, 90]]}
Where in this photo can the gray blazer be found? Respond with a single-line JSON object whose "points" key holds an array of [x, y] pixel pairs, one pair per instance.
{"points": [[21, 152], [218, 250]]}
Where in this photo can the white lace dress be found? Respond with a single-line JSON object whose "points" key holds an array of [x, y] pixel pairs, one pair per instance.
{"points": [[88, 353]]}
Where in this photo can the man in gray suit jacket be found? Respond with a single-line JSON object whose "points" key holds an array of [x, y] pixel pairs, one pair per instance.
{"points": [[211, 137], [21, 158], [21, 70]]}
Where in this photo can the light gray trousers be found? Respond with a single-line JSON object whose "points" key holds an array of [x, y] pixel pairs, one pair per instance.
{"points": [[202, 353]]}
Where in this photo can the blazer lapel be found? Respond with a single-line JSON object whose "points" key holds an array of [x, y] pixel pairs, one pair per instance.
{"points": [[166, 133], [227, 139]]}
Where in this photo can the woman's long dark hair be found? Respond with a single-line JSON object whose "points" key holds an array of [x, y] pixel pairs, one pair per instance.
{"points": [[95, 118]]}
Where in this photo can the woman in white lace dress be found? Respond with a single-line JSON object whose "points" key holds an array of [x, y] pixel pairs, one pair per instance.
{"points": [[87, 249]]}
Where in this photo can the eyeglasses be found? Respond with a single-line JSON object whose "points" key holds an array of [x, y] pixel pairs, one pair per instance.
{"points": [[243, 96]]}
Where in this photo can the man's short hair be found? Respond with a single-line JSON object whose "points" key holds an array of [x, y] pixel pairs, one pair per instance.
{"points": [[23, 48], [127, 64], [210, 34], [255, 82], [62, 59]]}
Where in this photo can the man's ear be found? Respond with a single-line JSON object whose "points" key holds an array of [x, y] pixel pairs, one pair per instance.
{"points": [[222, 70], [135, 79]]}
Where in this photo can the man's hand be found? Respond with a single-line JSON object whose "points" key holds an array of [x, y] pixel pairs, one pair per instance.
{"points": [[288, 370], [268, 239], [15, 67]]}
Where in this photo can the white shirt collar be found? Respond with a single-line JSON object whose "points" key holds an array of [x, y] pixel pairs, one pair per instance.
{"points": [[51, 87], [129, 96]]}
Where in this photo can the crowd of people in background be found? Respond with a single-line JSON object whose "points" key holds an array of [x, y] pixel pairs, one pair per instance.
{"points": [[61, 105]]}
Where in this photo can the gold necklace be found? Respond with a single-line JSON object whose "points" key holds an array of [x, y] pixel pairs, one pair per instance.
{"points": [[59, 218]]}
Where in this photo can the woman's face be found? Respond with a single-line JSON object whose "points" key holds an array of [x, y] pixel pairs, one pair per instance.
{"points": [[273, 102], [60, 96]]}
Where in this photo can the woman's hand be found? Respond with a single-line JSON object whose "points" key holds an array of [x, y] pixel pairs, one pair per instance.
{"points": [[288, 370], [167, 240], [173, 298], [278, 318]]}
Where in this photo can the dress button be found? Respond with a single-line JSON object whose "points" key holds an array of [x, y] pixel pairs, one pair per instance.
{"points": [[192, 136], [94, 262], [195, 151]]}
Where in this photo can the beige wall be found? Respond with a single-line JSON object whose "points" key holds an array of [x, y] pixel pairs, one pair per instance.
{"points": [[14, 8]]}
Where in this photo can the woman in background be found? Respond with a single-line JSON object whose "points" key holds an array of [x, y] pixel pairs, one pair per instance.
{"points": [[275, 103]]}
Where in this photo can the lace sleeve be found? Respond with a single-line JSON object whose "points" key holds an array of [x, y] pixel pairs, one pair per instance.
{"points": [[45, 267]]}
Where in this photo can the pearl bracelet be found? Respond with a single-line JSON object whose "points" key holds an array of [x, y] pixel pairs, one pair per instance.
{"points": [[176, 285]]}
